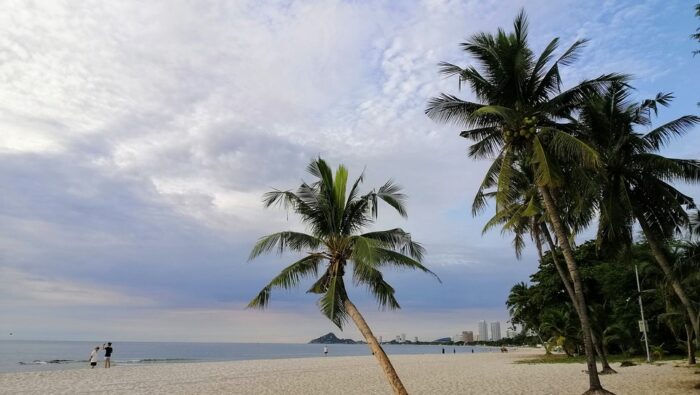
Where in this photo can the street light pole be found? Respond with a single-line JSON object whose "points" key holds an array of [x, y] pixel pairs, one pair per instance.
{"points": [[641, 309]]}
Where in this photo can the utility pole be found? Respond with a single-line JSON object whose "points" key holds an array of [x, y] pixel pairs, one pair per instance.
{"points": [[641, 309]]}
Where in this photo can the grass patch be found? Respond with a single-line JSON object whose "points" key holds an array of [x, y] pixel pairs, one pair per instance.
{"points": [[562, 358]]}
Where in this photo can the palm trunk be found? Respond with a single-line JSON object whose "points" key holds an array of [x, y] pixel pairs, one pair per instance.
{"points": [[660, 255], [376, 348], [600, 349], [593, 380], [597, 343], [691, 344]]}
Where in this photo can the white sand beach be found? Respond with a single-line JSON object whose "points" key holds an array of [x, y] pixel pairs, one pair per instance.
{"points": [[487, 373]]}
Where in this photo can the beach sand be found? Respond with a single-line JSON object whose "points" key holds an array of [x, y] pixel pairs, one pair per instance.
{"points": [[484, 373]]}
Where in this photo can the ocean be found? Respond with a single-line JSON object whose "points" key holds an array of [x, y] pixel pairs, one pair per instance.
{"points": [[25, 355]]}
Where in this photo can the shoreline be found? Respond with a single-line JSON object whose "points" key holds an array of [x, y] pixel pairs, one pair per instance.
{"points": [[479, 373], [26, 359]]}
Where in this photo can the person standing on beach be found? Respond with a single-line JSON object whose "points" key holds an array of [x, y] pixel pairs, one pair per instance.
{"points": [[93, 357], [443, 350], [108, 355], [325, 350]]}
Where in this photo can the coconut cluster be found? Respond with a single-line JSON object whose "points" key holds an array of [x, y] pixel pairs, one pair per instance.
{"points": [[526, 131]]}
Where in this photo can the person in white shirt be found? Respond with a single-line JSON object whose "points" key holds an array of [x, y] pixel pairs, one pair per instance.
{"points": [[93, 357], [325, 350]]}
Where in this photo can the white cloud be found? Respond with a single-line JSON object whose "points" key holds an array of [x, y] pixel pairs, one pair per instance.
{"points": [[139, 137]]}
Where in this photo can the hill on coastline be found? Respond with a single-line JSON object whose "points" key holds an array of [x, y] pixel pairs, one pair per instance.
{"points": [[331, 338]]}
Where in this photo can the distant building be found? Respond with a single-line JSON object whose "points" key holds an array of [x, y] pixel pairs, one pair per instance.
{"points": [[380, 340], [483, 331], [403, 338], [415, 339], [510, 333], [495, 331], [467, 336]]}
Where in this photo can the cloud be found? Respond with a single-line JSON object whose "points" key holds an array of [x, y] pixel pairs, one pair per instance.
{"points": [[139, 138], [24, 289]]}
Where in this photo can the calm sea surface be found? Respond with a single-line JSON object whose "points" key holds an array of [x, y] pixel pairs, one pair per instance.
{"points": [[21, 355]]}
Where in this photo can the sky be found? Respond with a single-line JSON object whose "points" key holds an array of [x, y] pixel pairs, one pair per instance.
{"points": [[137, 139]]}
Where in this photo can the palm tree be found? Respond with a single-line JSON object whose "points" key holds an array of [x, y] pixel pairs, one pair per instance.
{"points": [[335, 219], [524, 306], [685, 256], [521, 121], [524, 214], [561, 328], [634, 180]]}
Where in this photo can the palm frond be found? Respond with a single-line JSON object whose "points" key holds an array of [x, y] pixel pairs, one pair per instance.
{"points": [[451, 109], [661, 135], [391, 194], [566, 146], [288, 240], [364, 274], [545, 172], [389, 257], [399, 240], [331, 302], [288, 278]]}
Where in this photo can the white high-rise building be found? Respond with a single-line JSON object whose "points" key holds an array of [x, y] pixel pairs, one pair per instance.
{"points": [[483, 330], [403, 338], [495, 331]]}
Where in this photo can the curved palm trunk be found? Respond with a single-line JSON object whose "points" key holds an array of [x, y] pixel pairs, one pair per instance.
{"points": [[690, 344], [659, 254], [597, 343], [594, 381], [376, 348]]}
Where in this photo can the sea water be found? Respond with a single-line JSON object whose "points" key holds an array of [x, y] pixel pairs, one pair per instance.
{"points": [[25, 355]]}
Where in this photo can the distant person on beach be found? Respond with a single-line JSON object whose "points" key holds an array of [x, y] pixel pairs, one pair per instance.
{"points": [[454, 351], [443, 350], [472, 351], [108, 355], [93, 357], [325, 350]]}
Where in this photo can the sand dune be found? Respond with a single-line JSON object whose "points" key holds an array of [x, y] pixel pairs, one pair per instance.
{"points": [[491, 373]]}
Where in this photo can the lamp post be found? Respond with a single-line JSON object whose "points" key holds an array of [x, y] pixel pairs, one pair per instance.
{"points": [[641, 309]]}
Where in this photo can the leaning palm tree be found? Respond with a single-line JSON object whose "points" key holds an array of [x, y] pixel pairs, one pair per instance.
{"points": [[335, 219], [521, 121], [634, 179]]}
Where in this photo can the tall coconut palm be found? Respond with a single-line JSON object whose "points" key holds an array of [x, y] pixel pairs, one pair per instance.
{"points": [[635, 180], [335, 219], [521, 121], [524, 214]]}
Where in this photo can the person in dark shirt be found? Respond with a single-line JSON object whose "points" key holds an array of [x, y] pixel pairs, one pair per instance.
{"points": [[108, 355]]}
